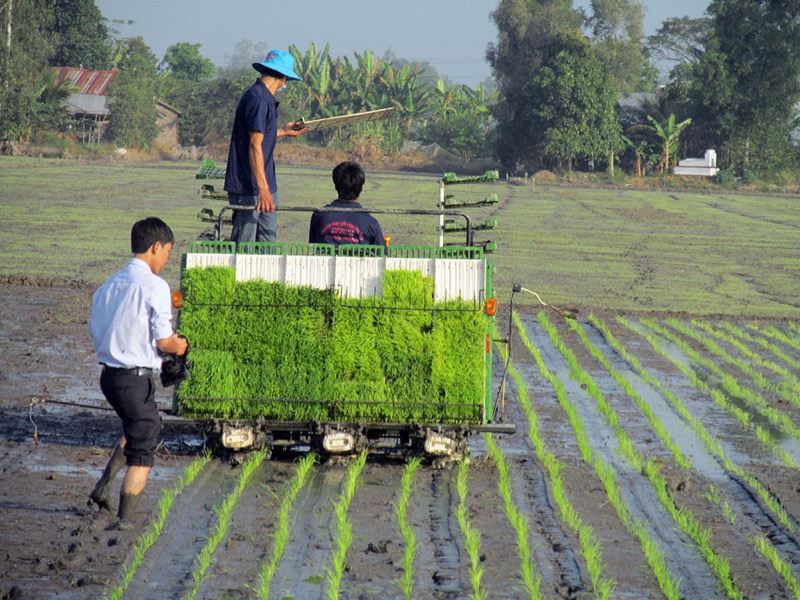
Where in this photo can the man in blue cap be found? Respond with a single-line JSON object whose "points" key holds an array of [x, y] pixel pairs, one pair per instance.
{"points": [[250, 177]]}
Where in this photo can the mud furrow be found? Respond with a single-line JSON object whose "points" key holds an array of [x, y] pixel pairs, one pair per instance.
{"points": [[703, 462], [235, 566], [623, 561], [551, 545], [301, 572], [374, 558], [681, 557], [442, 564], [166, 569]]}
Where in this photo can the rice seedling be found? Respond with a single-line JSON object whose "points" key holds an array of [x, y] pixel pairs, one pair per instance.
{"points": [[281, 537], [518, 521], [778, 419], [787, 391], [343, 537], [263, 349], [789, 385], [781, 567], [472, 537], [224, 512], [776, 334], [763, 343], [711, 443], [406, 581], [687, 522], [145, 541], [625, 384], [590, 546], [666, 580], [744, 418], [714, 496]]}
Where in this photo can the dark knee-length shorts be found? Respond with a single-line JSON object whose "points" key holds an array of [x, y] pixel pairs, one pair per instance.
{"points": [[133, 398]]}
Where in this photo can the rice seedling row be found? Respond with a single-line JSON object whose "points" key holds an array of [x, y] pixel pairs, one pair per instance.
{"points": [[775, 334], [687, 522], [145, 541], [667, 581], [224, 512], [789, 383], [531, 580], [711, 443], [472, 537], [763, 343], [764, 546], [406, 580], [743, 417], [755, 401], [281, 536], [785, 391], [590, 545], [343, 537]]}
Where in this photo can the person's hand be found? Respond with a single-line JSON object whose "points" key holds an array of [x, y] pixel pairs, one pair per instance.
{"points": [[265, 201], [293, 129]]}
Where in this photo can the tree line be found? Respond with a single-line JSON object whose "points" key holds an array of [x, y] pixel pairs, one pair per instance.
{"points": [[571, 89]]}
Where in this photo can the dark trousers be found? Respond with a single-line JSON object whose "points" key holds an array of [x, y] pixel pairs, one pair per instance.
{"points": [[132, 397]]}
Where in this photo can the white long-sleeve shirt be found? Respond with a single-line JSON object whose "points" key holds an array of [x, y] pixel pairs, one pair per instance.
{"points": [[130, 311]]}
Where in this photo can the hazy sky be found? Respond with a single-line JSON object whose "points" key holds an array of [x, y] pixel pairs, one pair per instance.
{"points": [[450, 36]]}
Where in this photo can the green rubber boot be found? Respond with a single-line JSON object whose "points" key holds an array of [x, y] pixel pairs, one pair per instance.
{"points": [[100, 495]]}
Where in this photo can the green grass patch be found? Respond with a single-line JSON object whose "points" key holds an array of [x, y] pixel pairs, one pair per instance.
{"points": [[263, 349], [145, 541], [620, 250]]}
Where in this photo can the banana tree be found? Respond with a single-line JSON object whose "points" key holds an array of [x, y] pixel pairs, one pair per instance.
{"points": [[668, 134]]}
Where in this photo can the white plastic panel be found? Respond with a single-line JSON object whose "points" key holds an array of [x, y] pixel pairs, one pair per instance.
{"points": [[454, 278], [312, 271], [358, 277], [210, 260], [260, 266], [351, 276]]}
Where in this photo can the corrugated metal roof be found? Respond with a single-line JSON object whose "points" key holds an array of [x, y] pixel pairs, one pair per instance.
{"points": [[89, 104], [88, 81]]}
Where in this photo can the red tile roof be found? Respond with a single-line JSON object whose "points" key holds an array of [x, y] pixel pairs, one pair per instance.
{"points": [[88, 81]]}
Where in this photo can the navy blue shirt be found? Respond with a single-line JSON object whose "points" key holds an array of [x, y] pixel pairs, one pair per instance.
{"points": [[257, 111], [344, 228]]}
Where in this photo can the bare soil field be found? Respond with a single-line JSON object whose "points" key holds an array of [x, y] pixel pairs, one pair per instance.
{"points": [[667, 469]]}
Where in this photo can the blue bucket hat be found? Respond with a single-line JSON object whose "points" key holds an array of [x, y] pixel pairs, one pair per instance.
{"points": [[280, 61]]}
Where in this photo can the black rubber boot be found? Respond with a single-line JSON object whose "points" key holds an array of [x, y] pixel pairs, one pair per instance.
{"points": [[127, 506], [100, 495]]}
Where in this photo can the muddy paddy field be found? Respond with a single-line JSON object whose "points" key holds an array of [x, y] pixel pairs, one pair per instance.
{"points": [[657, 444], [653, 457]]}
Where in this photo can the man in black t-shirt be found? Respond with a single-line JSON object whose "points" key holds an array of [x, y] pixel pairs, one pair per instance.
{"points": [[345, 227]]}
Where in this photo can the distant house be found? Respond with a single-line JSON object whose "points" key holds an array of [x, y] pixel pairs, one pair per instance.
{"points": [[88, 105]]}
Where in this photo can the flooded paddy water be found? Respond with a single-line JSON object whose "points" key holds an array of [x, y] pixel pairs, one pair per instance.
{"points": [[652, 520]]}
